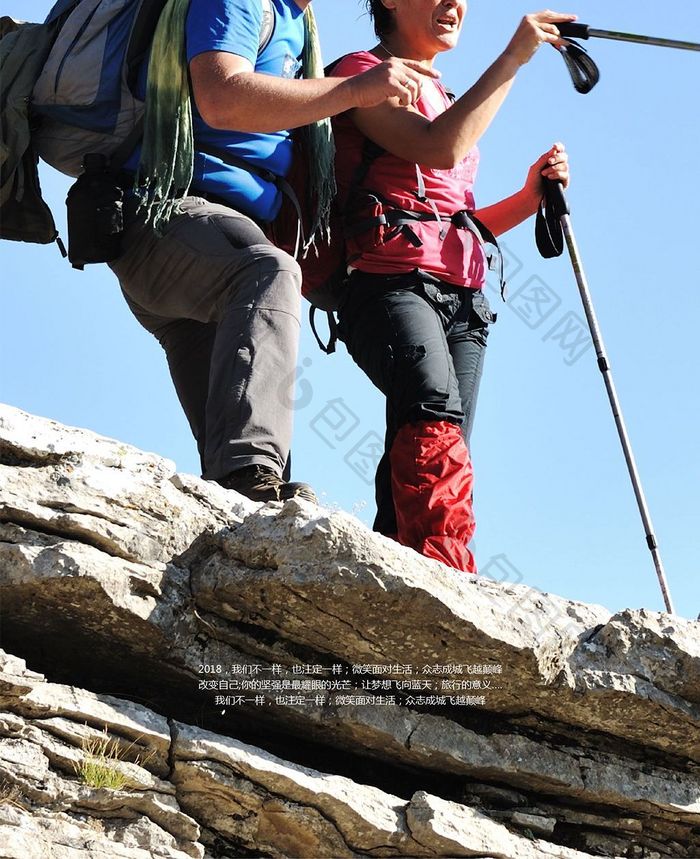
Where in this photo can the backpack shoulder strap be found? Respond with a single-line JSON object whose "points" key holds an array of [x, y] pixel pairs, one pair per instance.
{"points": [[370, 152], [328, 70], [61, 9], [268, 24], [141, 38], [139, 46], [147, 20]]}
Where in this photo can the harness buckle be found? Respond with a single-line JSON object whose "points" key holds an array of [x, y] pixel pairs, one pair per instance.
{"points": [[460, 220]]}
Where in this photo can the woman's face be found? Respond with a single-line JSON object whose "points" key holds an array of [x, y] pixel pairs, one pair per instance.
{"points": [[432, 25]]}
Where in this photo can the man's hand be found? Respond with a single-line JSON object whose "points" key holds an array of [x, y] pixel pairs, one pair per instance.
{"points": [[538, 28], [394, 78]]}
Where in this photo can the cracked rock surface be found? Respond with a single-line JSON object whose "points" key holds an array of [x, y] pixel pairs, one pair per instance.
{"points": [[48, 810], [215, 794], [276, 680]]}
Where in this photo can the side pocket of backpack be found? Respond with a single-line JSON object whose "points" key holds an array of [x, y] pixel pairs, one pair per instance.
{"points": [[95, 215]]}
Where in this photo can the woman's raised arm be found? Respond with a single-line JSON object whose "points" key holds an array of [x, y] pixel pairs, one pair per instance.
{"points": [[443, 142]]}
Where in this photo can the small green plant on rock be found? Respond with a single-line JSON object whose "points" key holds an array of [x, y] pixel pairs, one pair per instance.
{"points": [[97, 767]]}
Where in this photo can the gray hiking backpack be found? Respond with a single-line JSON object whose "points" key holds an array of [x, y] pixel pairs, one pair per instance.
{"points": [[68, 89]]}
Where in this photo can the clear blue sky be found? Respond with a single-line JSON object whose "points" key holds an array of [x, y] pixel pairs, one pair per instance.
{"points": [[554, 502]]}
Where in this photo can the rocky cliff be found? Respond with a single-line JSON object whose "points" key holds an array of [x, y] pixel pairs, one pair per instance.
{"points": [[188, 674]]}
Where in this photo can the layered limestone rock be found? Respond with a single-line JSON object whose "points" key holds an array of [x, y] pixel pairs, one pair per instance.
{"points": [[296, 685], [172, 788], [84, 775]]}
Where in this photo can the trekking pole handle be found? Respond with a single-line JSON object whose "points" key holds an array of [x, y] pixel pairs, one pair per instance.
{"points": [[572, 30], [556, 198]]}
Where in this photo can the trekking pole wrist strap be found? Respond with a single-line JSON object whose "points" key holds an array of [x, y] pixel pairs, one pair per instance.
{"points": [[585, 74], [549, 235]]}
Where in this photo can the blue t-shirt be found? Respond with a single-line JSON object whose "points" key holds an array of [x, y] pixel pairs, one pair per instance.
{"points": [[234, 26]]}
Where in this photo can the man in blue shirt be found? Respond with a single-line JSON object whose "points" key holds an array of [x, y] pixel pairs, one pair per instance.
{"points": [[224, 302]]}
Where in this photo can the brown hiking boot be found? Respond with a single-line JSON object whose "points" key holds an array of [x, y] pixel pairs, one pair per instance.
{"points": [[260, 483]]}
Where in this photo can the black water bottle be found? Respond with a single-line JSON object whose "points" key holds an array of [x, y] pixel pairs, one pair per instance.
{"points": [[95, 214]]}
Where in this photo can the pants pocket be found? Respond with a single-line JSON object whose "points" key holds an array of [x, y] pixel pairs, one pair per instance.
{"points": [[481, 314]]}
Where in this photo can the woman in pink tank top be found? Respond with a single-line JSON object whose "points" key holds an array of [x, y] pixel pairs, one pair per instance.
{"points": [[415, 318]]}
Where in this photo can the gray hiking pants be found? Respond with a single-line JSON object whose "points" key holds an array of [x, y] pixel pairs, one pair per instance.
{"points": [[224, 303]]}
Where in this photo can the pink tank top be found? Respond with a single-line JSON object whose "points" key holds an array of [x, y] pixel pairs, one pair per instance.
{"points": [[447, 252]]}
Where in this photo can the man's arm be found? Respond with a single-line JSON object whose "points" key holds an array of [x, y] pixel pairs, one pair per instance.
{"points": [[230, 95]]}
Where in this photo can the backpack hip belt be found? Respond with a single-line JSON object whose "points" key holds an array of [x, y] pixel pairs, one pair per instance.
{"points": [[402, 220]]}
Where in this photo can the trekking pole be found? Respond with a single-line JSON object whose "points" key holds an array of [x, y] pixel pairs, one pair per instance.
{"points": [[556, 199], [583, 31]]}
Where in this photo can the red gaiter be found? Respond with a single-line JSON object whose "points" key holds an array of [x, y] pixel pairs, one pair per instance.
{"points": [[432, 480]]}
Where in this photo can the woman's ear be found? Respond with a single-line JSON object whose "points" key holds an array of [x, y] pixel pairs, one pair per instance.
{"points": [[389, 4]]}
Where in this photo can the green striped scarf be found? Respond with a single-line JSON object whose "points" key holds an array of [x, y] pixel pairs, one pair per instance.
{"points": [[167, 156]]}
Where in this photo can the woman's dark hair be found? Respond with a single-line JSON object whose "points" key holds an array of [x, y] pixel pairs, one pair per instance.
{"points": [[381, 17]]}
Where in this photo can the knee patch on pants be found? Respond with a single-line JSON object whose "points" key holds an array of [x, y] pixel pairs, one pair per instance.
{"points": [[271, 282]]}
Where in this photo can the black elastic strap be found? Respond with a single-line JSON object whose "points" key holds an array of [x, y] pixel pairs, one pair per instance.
{"points": [[404, 219], [370, 152], [469, 221], [268, 176], [234, 160], [585, 74], [328, 348], [549, 235]]}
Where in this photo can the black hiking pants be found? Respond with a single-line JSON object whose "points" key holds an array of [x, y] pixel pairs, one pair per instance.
{"points": [[422, 342]]}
